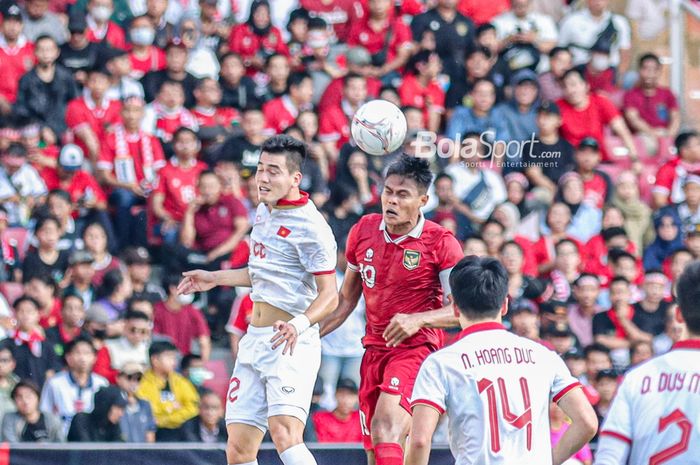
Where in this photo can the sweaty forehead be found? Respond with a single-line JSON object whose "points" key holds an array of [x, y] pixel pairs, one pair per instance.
{"points": [[397, 182]]}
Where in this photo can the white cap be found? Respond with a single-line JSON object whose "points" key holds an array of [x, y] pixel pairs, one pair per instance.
{"points": [[71, 157]]}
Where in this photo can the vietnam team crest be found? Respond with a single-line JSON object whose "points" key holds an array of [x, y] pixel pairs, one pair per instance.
{"points": [[411, 259]]}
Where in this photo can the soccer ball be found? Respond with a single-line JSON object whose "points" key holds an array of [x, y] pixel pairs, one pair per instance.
{"points": [[378, 127]]}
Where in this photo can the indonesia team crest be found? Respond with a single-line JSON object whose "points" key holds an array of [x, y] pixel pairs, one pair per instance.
{"points": [[411, 259]]}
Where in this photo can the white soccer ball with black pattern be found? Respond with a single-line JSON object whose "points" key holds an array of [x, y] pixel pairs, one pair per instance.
{"points": [[378, 127]]}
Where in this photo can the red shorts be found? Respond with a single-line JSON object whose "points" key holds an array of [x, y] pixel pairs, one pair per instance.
{"points": [[393, 371]]}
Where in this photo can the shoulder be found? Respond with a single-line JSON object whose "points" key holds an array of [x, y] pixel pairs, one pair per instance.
{"points": [[368, 222]]}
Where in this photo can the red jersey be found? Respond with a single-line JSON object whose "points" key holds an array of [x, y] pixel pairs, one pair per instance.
{"points": [[154, 61], [15, 61], [333, 94], [430, 99], [334, 125], [217, 116], [83, 111], [53, 318], [339, 14], [362, 34], [280, 113], [247, 44], [112, 34], [214, 223], [241, 313], [654, 109], [163, 122], [482, 12], [401, 275], [179, 186], [131, 157], [670, 177], [595, 190], [182, 326], [82, 184], [588, 122], [330, 428]]}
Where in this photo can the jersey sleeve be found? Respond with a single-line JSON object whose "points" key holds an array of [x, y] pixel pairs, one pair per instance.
{"points": [[105, 160], [351, 247], [664, 179], [618, 422], [448, 251], [563, 380], [327, 128], [607, 109], [75, 118], [430, 388], [318, 250]]}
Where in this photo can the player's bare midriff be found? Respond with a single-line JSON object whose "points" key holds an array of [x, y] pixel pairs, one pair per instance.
{"points": [[265, 314]]}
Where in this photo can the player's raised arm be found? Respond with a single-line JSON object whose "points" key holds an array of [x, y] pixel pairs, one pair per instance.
{"points": [[202, 281], [350, 294], [584, 425]]}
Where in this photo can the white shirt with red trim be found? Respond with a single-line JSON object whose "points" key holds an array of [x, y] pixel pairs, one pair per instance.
{"points": [[655, 416], [496, 388], [289, 245]]}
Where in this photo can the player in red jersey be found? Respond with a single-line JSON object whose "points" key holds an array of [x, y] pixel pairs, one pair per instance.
{"points": [[401, 263]]}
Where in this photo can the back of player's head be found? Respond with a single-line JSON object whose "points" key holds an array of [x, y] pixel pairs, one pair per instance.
{"points": [[293, 149], [479, 287], [417, 169], [688, 293]]}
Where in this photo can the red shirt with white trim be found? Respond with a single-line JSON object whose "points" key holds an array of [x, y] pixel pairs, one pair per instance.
{"points": [[247, 44], [80, 185], [362, 34], [112, 34], [497, 388], [590, 121], [83, 111], [241, 313], [654, 416], [430, 98], [670, 177], [333, 94], [217, 116], [290, 244], [339, 14], [401, 274], [154, 61], [334, 124], [280, 113], [595, 189], [179, 185], [15, 61], [135, 149]]}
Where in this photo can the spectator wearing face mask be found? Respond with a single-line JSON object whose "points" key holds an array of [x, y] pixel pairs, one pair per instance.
{"points": [[144, 56], [100, 28]]}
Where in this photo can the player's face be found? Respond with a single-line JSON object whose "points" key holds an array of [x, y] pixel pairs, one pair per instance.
{"points": [[401, 200], [274, 179]]}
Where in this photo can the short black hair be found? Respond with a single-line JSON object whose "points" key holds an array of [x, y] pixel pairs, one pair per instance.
{"points": [[43, 37], [493, 221], [619, 279], [43, 277], [683, 139], [442, 175], [582, 276], [170, 82], [484, 27], [293, 149], [208, 172], [575, 71], [340, 192], [414, 168], [649, 56], [184, 130], [111, 281], [483, 80], [45, 219], [171, 280], [479, 287], [616, 254], [296, 78], [187, 360], [25, 298], [136, 315], [609, 233], [61, 194], [350, 76], [557, 50], [688, 296], [478, 49], [25, 383], [566, 241], [596, 347], [70, 346], [72, 295], [512, 243], [158, 347], [421, 57]]}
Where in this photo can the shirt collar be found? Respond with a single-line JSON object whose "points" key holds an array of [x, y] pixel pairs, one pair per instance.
{"points": [[90, 103], [687, 344], [478, 327], [414, 233], [300, 202]]}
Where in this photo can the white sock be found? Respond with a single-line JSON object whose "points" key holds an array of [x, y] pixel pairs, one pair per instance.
{"points": [[254, 462], [297, 455]]}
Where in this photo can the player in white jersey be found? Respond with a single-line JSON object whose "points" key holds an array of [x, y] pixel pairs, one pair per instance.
{"points": [[292, 274], [495, 387], [655, 416]]}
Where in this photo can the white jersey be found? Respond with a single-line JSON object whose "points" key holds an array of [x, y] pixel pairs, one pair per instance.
{"points": [[496, 388], [288, 246], [655, 416], [63, 397]]}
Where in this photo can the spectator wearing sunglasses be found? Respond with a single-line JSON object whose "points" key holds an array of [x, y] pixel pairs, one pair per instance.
{"points": [[133, 345], [137, 424]]}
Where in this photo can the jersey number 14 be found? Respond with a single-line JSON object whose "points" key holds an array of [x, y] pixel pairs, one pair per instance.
{"points": [[518, 421]]}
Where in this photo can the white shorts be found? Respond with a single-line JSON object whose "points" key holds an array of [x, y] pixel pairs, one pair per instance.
{"points": [[266, 383]]}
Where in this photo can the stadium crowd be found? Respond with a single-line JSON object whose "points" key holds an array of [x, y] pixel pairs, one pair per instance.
{"points": [[129, 138]]}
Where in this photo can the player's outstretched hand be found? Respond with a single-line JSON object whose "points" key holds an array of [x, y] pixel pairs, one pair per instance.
{"points": [[285, 333], [196, 281], [401, 326]]}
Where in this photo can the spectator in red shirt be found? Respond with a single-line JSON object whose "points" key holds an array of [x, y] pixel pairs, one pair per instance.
{"points": [[40, 154], [145, 57], [358, 61], [16, 57], [385, 36], [596, 184], [282, 112], [176, 187], [338, 14], [237, 326], [482, 12], [127, 166], [42, 288], [88, 117], [100, 28], [586, 114], [167, 113], [600, 75], [669, 179], [421, 89], [343, 423], [651, 109], [180, 321], [334, 125], [551, 88], [257, 39], [208, 111]]}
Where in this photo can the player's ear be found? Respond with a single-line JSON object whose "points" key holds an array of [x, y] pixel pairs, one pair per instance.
{"points": [[679, 316], [504, 309], [424, 199], [297, 179]]}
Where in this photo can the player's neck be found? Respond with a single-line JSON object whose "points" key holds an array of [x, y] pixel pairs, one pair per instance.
{"points": [[465, 322], [293, 195], [401, 229]]}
